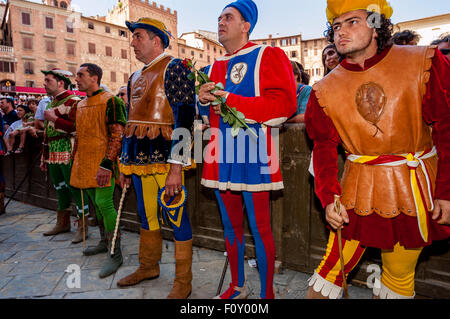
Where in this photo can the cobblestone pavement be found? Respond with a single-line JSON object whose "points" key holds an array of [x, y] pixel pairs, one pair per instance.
{"points": [[34, 266]]}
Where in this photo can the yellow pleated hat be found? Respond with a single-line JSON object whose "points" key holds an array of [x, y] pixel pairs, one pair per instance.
{"points": [[156, 26], [336, 8]]}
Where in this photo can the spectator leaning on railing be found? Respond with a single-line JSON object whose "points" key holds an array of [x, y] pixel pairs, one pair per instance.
{"points": [[443, 44], [39, 115], [9, 114], [122, 94], [303, 91], [31, 127], [406, 37], [19, 127], [32, 105]]}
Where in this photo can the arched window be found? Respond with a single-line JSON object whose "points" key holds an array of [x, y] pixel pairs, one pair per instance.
{"points": [[55, 3], [62, 4]]}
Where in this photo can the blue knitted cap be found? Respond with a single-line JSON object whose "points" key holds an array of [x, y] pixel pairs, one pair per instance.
{"points": [[248, 10]]}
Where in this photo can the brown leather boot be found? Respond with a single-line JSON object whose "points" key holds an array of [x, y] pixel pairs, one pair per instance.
{"points": [[78, 238], [62, 223], [312, 294], [182, 286], [150, 250], [2, 203]]}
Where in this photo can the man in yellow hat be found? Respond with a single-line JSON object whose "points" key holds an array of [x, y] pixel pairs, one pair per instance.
{"points": [[147, 157], [380, 103]]}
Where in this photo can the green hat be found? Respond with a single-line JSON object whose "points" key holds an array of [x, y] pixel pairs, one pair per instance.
{"points": [[60, 74]]}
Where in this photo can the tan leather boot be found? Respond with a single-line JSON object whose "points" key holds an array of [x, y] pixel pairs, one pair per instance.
{"points": [[182, 285], [62, 223], [78, 238], [312, 294], [150, 251]]}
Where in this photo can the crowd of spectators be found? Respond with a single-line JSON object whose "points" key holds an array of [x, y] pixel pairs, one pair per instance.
{"points": [[17, 117], [23, 115], [23, 98]]}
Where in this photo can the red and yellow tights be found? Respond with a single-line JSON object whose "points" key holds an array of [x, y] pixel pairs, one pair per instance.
{"points": [[397, 278]]}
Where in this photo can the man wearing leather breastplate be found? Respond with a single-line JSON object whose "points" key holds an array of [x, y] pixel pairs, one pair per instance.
{"points": [[388, 106], [161, 100]]}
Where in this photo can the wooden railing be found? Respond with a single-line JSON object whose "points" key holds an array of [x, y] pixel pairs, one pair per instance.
{"points": [[297, 216]]}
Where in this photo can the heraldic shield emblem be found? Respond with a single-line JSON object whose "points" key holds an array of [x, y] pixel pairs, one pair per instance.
{"points": [[238, 72], [138, 90], [371, 100]]}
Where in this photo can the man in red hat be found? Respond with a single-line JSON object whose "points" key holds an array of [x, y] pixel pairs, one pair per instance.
{"points": [[380, 103]]}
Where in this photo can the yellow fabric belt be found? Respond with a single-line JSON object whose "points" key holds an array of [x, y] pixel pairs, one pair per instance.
{"points": [[413, 160]]}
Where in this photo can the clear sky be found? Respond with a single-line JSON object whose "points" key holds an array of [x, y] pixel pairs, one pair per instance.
{"points": [[276, 17]]}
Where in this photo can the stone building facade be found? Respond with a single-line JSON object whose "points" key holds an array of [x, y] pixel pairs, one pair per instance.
{"points": [[429, 28], [108, 46], [38, 36], [306, 52], [201, 46], [312, 58], [291, 45], [132, 10]]}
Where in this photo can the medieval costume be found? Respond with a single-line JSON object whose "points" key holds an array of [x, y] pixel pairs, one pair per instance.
{"points": [[57, 154], [147, 157], [261, 85], [396, 165], [100, 119]]}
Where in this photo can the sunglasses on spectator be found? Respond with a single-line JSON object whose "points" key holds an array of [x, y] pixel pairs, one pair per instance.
{"points": [[121, 94], [445, 51]]}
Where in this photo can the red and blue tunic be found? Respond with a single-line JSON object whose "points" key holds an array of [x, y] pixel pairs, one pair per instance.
{"points": [[261, 85]]}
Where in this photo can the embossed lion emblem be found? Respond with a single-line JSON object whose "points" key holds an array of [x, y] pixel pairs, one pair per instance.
{"points": [[238, 72], [138, 89], [371, 100]]}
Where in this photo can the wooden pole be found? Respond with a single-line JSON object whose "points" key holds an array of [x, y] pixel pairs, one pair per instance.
{"points": [[224, 271], [113, 244], [82, 221]]}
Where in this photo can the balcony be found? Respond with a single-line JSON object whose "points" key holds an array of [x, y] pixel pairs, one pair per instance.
{"points": [[4, 48], [7, 53]]}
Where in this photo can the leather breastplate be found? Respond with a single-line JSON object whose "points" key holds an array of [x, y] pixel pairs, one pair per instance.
{"points": [[150, 113], [92, 133], [379, 112]]}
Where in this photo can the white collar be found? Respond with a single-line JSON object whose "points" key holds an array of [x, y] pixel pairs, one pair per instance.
{"points": [[158, 58]]}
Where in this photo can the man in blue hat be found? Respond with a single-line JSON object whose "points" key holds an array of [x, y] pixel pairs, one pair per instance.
{"points": [[258, 82], [147, 157]]}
